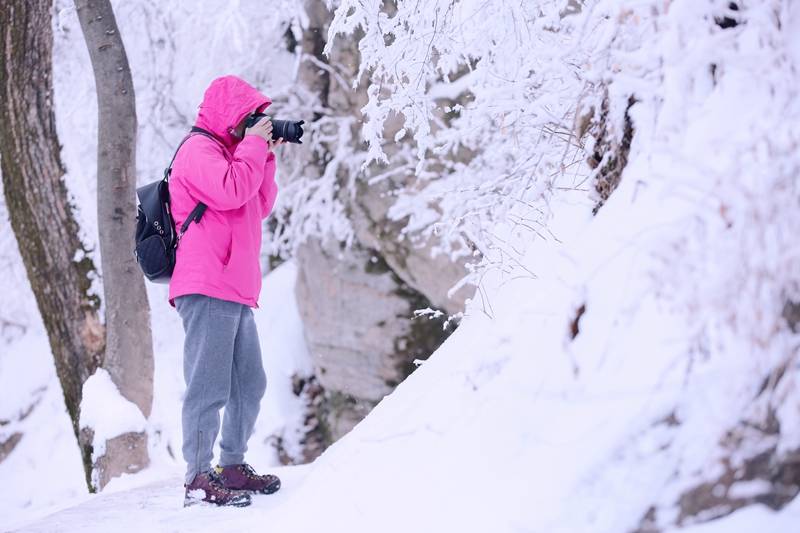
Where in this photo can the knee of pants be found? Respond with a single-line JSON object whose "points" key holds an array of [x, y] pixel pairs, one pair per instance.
{"points": [[209, 393]]}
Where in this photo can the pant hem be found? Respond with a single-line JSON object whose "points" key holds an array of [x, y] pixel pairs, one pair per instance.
{"points": [[228, 460]]}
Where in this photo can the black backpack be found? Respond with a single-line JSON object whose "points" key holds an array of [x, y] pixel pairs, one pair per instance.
{"points": [[156, 239]]}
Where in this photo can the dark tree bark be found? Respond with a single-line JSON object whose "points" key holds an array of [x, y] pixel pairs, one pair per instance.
{"points": [[56, 261], [129, 347]]}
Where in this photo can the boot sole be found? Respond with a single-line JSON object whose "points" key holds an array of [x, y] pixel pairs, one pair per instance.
{"points": [[269, 489], [192, 502]]}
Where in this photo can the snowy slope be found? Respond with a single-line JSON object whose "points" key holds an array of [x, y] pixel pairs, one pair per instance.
{"points": [[507, 427]]}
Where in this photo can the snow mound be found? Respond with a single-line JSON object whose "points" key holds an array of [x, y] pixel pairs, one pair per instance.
{"points": [[107, 412]]}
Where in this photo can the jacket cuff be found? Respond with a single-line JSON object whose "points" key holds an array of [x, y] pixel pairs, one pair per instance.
{"points": [[257, 139]]}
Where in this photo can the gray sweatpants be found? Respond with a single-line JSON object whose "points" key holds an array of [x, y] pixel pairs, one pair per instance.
{"points": [[222, 368]]}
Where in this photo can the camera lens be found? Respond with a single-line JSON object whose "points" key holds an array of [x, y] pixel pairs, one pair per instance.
{"points": [[288, 130]]}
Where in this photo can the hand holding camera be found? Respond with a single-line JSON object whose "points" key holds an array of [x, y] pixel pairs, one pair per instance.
{"points": [[262, 128]]}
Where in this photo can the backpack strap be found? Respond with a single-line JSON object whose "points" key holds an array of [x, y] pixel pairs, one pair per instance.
{"points": [[195, 129], [194, 216], [197, 213], [198, 129], [168, 170]]}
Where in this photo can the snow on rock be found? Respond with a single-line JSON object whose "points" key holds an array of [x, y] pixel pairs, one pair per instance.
{"points": [[106, 412], [752, 519]]}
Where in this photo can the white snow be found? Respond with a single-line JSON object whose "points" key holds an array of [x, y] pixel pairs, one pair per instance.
{"points": [[44, 472], [749, 489], [498, 429], [513, 424], [107, 412]]}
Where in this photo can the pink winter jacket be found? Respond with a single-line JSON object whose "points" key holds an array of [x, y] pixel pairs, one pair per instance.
{"points": [[219, 256]]}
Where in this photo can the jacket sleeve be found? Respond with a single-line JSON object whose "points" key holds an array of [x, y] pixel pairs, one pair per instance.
{"points": [[223, 184], [268, 191]]}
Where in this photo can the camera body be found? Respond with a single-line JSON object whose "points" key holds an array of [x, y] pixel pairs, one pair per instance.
{"points": [[289, 130]]}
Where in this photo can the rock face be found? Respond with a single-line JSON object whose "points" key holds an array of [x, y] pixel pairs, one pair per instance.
{"points": [[410, 261], [357, 302], [613, 143], [357, 305], [123, 454], [769, 475], [357, 318]]}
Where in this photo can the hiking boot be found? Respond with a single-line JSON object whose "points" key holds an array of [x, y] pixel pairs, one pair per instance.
{"points": [[207, 487], [243, 477]]}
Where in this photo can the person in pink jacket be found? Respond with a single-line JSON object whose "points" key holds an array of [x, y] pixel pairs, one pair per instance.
{"points": [[216, 283]]}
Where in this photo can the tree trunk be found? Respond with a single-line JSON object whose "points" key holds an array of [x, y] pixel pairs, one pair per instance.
{"points": [[56, 261], [129, 346]]}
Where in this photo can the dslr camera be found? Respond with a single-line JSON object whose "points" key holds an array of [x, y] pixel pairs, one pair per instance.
{"points": [[289, 130]]}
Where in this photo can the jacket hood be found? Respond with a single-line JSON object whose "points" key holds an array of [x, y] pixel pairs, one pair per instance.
{"points": [[226, 102]]}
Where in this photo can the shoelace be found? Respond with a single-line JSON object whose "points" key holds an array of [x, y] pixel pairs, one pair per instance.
{"points": [[250, 472], [216, 480]]}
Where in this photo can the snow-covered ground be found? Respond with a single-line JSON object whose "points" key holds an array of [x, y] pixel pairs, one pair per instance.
{"points": [[44, 472], [512, 425]]}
